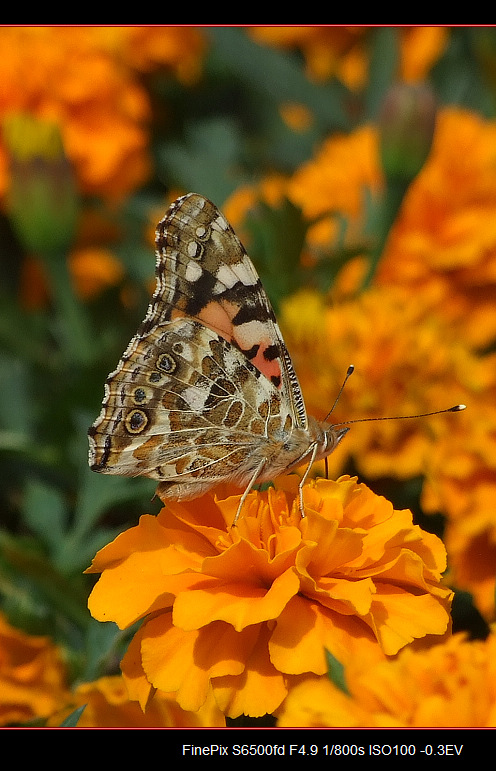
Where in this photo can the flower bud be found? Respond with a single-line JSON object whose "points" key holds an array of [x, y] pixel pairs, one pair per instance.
{"points": [[42, 199], [406, 125]]}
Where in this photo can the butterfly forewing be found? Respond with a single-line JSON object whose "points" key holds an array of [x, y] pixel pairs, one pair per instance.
{"points": [[204, 272]]}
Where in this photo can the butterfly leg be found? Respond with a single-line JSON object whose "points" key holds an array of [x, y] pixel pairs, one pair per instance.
{"points": [[312, 452], [247, 490]]}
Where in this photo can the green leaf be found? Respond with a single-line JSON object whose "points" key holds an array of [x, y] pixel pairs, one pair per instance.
{"points": [[96, 495], [71, 720], [277, 238], [203, 161], [384, 59], [44, 511], [277, 75], [16, 416], [105, 645], [35, 593], [336, 673]]}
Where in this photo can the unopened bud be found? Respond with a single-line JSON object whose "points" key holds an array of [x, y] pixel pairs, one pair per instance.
{"points": [[406, 125], [42, 199]]}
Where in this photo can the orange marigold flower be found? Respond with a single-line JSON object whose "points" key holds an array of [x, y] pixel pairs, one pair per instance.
{"points": [[94, 269], [107, 705], [335, 180], [406, 363], [328, 50], [32, 676], [443, 245], [421, 47], [64, 75], [297, 116], [452, 684], [461, 482], [340, 51], [149, 48], [246, 611]]}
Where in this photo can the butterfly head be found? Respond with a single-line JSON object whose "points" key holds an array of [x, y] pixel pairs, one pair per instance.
{"points": [[326, 436]]}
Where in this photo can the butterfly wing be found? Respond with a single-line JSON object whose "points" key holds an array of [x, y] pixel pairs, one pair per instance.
{"points": [[204, 272], [206, 388], [186, 406]]}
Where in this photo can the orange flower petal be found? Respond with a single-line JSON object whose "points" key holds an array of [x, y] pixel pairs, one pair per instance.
{"points": [[259, 690], [239, 604]]}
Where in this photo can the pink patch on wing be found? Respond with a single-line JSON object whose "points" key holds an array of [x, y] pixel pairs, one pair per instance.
{"points": [[271, 369], [216, 318]]}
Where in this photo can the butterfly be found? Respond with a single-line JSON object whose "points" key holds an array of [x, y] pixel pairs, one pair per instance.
{"points": [[206, 391]]}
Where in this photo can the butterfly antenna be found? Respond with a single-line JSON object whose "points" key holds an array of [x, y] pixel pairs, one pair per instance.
{"points": [[349, 372], [456, 408]]}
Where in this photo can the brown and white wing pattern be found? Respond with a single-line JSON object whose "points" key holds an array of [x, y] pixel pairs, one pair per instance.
{"points": [[205, 390]]}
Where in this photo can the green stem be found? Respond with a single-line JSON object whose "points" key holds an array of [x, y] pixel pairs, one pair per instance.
{"points": [[391, 204], [73, 328]]}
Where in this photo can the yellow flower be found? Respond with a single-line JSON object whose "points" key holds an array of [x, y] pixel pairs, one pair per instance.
{"points": [[32, 676], [107, 705], [247, 611], [452, 684], [42, 203]]}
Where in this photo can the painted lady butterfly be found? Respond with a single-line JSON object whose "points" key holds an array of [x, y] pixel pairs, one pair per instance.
{"points": [[205, 391]]}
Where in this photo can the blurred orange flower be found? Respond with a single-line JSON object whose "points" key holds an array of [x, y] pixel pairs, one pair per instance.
{"points": [[32, 676], [335, 180], [94, 269], [461, 482], [415, 337], [452, 684], [247, 611], [443, 245], [107, 705], [406, 363], [84, 79], [328, 49], [146, 48], [339, 50]]}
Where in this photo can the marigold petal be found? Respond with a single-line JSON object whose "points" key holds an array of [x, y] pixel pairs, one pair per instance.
{"points": [[239, 604], [296, 644], [330, 546], [305, 630], [398, 617], [143, 559], [138, 687], [353, 577], [259, 690], [343, 595], [167, 662], [186, 661], [316, 703]]}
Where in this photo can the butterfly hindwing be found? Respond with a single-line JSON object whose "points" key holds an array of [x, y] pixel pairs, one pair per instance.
{"points": [[185, 404]]}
